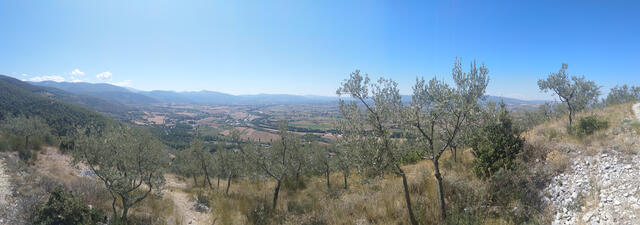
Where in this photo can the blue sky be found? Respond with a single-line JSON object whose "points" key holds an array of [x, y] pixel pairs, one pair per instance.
{"points": [[309, 47]]}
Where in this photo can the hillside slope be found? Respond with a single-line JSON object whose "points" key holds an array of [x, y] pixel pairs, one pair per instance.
{"points": [[598, 183], [20, 98]]}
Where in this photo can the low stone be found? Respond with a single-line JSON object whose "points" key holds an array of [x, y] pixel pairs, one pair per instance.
{"points": [[587, 216]]}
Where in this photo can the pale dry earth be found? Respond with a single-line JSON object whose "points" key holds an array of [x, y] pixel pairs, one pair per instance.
{"points": [[600, 188], [184, 206], [5, 192]]}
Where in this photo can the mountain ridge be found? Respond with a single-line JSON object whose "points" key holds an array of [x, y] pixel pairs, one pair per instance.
{"points": [[129, 96]]}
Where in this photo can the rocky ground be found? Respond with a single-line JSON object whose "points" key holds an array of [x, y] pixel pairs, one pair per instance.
{"points": [[600, 188], [11, 204], [5, 192]]}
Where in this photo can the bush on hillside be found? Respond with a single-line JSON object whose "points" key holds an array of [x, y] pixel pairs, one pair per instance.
{"points": [[4, 146], [496, 147], [590, 124], [64, 208]]}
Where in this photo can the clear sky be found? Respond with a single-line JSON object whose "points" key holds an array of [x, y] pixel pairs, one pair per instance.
{"points": [[309, 47]]}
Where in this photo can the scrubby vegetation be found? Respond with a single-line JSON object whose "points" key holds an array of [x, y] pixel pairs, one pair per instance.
{"points": [[65, 208], [445, 157]]}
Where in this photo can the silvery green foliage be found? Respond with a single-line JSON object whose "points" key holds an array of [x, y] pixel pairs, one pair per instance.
{"points": [[183, 163], [130, 162], [277, 160], [622, 94], [368, 123], [200, 160], [438, 112], [577, 92]]}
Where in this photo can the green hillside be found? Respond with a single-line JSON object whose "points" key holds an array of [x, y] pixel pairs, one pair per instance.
{"points": [[20, 98]]}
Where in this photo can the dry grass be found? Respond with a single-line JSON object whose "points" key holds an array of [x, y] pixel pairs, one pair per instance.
{"points": [[376, 201]]}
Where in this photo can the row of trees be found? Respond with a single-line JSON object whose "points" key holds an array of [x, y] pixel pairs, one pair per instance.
{"points": [[430, 124]]}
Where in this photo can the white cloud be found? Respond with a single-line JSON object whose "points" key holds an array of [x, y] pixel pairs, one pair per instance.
{"points": [[125, 83], [104, 75], [77, 72], [75, 80], [25, 75], [55, 78]]}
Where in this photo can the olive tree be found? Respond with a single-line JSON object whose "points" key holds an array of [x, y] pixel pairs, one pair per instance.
{"points": [[576, 92], [130, 163], [622, 94], [26, 127], [438, 114], [202, 159], [368, 121], [276, 160], [183, 164], [322, 161], [229, 164], [344, 162]]}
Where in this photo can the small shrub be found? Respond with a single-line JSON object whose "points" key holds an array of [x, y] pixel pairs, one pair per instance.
{"points": [[261, 213], [64, 208], [202, 202], [24, 154], [299, 207], [516, 193], [4, 146], [557, 160], [496, 147], [291, 184], [314, 220], [66, 145], [90, 190], [35, 144], [551, 134], [16, 143], [50, 140], [466, 201], [590, 124]]}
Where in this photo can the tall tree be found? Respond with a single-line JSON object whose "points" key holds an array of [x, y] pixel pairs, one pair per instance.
{"points": [[26, 127], [369, 121], [576, 92], [130, 163], [439, 112]]}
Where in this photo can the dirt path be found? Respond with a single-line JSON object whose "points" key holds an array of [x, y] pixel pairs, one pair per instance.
{"points": [[5, 186], [184, 206], [5, 192], [54, 164], [636, 110]]}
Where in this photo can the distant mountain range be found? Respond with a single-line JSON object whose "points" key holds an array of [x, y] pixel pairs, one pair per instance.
{"points": [[126, 96]]}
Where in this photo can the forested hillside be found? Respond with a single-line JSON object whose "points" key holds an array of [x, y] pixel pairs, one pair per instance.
{"points": [[20, 98]]}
